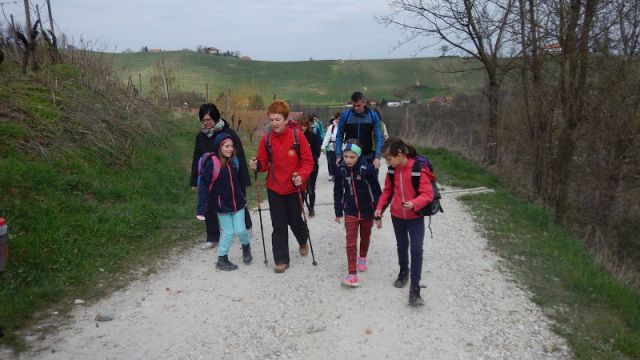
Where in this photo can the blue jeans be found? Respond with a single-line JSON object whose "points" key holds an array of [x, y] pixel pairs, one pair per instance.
{"points": [[410, 231], [231, 224]]}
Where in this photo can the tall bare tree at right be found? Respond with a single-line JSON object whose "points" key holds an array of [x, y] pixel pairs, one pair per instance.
{"points": [[478, 28]]}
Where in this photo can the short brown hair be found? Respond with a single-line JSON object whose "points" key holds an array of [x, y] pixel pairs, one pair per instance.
{"points": [[279, 107]]}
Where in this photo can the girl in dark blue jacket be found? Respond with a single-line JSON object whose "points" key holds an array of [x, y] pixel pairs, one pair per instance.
{"points": [[221, 189], [355, 193]]}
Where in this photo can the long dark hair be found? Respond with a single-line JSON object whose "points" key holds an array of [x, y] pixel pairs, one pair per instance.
{"points": [[394, 146]]}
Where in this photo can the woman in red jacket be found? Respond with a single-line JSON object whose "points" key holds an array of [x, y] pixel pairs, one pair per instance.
{"points": [[408, 224], [285, 153]]}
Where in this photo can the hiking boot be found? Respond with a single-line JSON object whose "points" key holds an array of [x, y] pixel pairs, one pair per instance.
{"points": [[225, 265], [280, 268], [246, 254], [362, 264], [304, 249], [209, 245], [402, 280], [414, 296], [312, 213], [330, 178], [351, 280]]}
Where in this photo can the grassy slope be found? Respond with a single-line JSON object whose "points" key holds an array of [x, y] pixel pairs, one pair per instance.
{"points": [[310, 82], [78, 221], [599, 316]]}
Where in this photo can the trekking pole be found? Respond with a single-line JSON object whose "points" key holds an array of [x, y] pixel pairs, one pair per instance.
{"points": [[264, 249], [304, 217]]}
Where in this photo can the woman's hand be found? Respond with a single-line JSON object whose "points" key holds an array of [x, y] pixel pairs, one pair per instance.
{"points": [[377, 214], [338, 219], [408, 205], [194, 188], [297, 180], [253, 164]]}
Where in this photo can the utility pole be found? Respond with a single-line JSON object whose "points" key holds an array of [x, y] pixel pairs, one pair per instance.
{"points": [[27, 14], [206, 92], [140, 83], [15, 38], [50, 18]]}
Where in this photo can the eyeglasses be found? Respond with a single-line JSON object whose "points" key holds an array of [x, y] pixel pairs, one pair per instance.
{"points": [[205, 120]]}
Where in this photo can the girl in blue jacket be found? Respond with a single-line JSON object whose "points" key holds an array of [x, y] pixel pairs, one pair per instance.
{"points": [[355, 193], [221, 188]]}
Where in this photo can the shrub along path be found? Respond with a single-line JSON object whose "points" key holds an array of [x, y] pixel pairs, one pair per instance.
{"points": [[188, 310]]}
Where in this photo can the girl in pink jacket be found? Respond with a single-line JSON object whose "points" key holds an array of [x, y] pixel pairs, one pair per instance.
{"points": [[408, 224]]}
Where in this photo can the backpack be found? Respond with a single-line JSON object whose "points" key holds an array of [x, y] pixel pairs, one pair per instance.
{"points": [[420, 163], [434, 206], [216, 167], [296, 143]]}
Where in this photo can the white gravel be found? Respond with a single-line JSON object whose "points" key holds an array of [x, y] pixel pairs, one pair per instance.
{"points": [[474, 310]]}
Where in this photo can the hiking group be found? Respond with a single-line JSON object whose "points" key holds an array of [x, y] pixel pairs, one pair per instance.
{"points": [[354, 143]]}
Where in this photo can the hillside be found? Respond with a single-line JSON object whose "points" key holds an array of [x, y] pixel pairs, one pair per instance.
{"points": [[93, 184], [309, 82]]}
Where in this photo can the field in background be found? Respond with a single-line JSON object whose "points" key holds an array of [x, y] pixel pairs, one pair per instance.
{"points": [[327, 82]]}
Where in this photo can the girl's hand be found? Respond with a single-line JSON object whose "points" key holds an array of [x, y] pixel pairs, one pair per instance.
{"points": [[377, 214], [338, 219], [408, 205], [378, 222], [253, 164]]}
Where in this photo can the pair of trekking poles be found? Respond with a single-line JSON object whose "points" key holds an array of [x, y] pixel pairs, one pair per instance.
{"points": [[304, 217]]}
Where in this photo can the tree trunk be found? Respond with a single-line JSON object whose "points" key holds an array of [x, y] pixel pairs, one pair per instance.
{"points": [[491, 155]]}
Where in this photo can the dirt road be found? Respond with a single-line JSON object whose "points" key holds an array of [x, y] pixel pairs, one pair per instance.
{"points": [[189, 310]]}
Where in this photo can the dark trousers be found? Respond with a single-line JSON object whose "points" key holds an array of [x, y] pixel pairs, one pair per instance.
{"points": [[331, 162], [311, 187], [213, 227], [285, 211], [410, 232]]}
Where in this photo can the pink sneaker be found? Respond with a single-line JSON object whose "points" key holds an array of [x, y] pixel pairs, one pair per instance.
{"points": [[350, 281], [362, 264]]}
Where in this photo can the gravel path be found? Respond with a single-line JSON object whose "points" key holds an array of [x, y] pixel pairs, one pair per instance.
{"points": [[191, 311]]}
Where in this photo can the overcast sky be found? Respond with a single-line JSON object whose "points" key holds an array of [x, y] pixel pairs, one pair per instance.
{"points": [[265, 30]]}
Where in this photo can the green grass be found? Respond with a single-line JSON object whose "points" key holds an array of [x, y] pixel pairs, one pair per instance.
{"points": [[599, 316], [328, 82], [75, 222]]}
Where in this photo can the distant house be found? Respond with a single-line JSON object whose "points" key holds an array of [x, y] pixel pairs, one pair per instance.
{"points": [[211, 50], [440, 100], [156, 50], [245, 58], [553, 48]]}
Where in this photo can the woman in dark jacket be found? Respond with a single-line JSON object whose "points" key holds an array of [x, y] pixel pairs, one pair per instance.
{"points": [[212, 125], [315, 142]]}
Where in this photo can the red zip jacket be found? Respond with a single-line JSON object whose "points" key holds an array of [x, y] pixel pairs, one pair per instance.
{"points": [[285, 161], [403, 191]]}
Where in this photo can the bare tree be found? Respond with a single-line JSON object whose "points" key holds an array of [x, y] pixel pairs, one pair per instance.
{"points": [[475, 27]]}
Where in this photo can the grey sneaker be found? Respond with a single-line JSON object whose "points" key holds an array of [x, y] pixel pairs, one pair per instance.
{"points": [[209, 245]]}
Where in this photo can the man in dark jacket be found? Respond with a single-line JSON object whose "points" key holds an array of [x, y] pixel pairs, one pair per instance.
{"points": [[363, 124], [212, 125]]}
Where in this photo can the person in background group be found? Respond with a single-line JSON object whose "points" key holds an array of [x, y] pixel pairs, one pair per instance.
{"points": [[212, 124], [329, 145], [408, 223], [314, 142], [289, 163], [362, 123], [355, 194], [317, 126]]}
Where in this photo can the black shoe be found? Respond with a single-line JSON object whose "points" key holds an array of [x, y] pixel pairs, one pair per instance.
{"points": [[312, 213], [402, 280], [414, 296], [225, 265], [246, 254]]}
